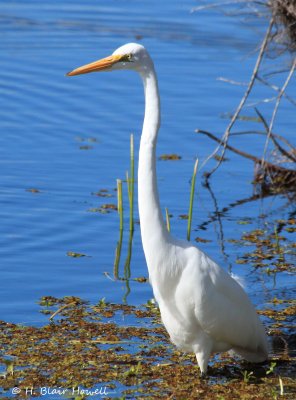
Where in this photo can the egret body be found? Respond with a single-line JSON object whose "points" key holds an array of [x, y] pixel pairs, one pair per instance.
{"points": [[202, 307]]}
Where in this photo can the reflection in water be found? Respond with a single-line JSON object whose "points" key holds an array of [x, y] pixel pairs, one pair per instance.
{"points": [[217, 213], [127, 265]]}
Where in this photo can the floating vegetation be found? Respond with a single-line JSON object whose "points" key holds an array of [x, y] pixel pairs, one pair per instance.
{"points": [[33, 190], [281, 316], [81, 351], [202, 240], [109, 207], [141, 279], [87, 139], [102, 193], [270, 249], [183, 216], [244, 222], [75, 255], [104, 208], [166, 157]]}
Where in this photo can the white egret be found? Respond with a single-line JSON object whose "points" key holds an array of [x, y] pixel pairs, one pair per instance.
{"points": [[202, 307]]}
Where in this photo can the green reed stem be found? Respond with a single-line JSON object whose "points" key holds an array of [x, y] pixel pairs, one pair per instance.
{"points": [[120, 203], [131, 183], [191, 199], [167, 217], [120, 212]]}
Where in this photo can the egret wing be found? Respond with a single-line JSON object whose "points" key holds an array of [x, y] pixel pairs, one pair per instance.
{"points": [[225, 312]]}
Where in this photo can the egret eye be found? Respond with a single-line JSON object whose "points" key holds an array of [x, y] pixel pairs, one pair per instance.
{"points": [[127, 57]]}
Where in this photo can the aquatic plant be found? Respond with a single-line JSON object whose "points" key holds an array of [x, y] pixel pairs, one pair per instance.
{"points": [[83, 347]]}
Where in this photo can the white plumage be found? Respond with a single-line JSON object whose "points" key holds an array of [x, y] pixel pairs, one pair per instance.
{"points": [[202, 307]]}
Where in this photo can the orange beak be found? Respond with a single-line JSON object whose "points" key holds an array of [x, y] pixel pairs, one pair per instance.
{"points": [[99, 65]]}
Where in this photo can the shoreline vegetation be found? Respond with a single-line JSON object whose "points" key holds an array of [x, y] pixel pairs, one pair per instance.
{"points": [[86, 348]]}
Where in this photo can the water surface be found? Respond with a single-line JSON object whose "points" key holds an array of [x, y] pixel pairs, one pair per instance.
{"points": [[69, 138]]}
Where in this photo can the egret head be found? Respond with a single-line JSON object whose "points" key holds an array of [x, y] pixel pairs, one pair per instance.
{"points": [[131, 56]]}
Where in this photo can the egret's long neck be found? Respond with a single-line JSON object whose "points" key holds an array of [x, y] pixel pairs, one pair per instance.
{"points": [[153, 230]]}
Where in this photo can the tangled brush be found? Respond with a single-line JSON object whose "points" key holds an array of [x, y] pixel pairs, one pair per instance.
{"points": [[284, 12]]}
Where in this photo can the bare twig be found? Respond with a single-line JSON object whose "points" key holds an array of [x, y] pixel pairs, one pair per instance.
{"points": [[265, 101], [272, 178], [276, 88], [232, 82], [239, 152], [272, 136], [280, 95], [225, 137], [257, 160]]}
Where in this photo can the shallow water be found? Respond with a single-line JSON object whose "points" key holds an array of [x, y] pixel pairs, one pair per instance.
{"points": [[69, 138]]}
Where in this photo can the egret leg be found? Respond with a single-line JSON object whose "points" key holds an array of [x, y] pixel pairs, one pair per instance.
{"points": [[203, 375], [202, 360]]}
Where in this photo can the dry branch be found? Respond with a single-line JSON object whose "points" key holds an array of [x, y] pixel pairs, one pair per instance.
{"points": [[285, 14], [243, 100], [290, 156], [280, 95], [272, 178], [270, 175]]}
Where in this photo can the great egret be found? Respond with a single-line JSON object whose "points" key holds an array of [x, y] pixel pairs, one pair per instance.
{"points": [[202, 307]]}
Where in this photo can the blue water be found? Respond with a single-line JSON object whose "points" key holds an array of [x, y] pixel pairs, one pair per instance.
{"points": [[46, 118]]}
